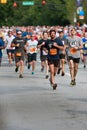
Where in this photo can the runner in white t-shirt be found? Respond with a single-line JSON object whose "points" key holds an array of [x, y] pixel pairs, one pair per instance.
{"points": [[31, 49], [10, 50]]}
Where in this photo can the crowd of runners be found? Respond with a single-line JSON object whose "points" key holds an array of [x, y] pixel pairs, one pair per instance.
{"points": [[57, 45]]}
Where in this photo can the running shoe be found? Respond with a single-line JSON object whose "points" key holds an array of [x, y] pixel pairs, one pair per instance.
{"points": [[59, 71], [28, 66], [16, 69], [84, 66], [47, 76], [20, 76], [62, 74], [42, 69], [72, 82], [54, 86], [32, 73]]}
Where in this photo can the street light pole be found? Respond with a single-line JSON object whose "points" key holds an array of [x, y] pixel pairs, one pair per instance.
{"points": [[75, 19]]}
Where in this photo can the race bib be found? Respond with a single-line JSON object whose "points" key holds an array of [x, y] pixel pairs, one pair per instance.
{"points": [[84, 51], [33, 50], [86, 45], [73, 50], [18, 54], [53, 51]]}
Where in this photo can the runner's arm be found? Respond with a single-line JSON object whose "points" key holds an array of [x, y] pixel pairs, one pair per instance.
{"points": [[58, 46]]}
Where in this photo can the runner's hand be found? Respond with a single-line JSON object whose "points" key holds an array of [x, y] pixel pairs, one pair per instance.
{"points": [[43, 43], [76, 47], [17, 45], [55, 44]]}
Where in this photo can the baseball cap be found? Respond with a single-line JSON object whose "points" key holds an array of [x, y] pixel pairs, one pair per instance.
{"points": [[19, 32], [60, 30]]}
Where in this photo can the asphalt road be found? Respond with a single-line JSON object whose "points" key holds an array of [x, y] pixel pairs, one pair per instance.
{"points": [[31, 104]]}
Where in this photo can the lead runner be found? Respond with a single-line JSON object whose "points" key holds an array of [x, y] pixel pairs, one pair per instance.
{"points": [[52, 47]]}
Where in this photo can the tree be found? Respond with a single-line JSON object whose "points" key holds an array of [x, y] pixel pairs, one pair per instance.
{"points": [[54, 12]]}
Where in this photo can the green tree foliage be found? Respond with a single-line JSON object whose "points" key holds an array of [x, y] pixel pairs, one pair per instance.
{"points": [[54, 12], [70, 10]]}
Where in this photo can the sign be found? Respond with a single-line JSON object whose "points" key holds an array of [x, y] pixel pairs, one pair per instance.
{"points": [[81, 14], [28, 3], [79, 9], [81, 17], [3, 1]]}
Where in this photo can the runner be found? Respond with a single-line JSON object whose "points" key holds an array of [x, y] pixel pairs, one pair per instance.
{"points": [[62, 53], [43, 54], [52, 47], [10, 50], [74, 44], [31, 50], [19, 44], [27, 34], [84, 49]]}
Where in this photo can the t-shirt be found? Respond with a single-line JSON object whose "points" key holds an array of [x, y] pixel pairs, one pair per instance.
{"points": [[53, 52], [19, 49], [1, 45], [74, 42], [8, 42], [64, 41], [42, 52], [32, 46], [84, 45]]}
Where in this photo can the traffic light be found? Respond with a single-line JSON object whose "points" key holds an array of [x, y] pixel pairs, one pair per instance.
{"points": [[15, 4], [43, 2], [3, 1]]}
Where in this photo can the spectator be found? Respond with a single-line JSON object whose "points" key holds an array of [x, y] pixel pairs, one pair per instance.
{"points": [[2, 46]]}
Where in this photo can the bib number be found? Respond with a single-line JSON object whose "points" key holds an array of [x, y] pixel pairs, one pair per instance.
{"points": [[18, 54], [53, 51], [73, 50], [33, 50]]}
